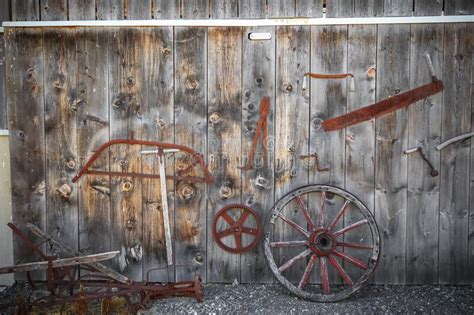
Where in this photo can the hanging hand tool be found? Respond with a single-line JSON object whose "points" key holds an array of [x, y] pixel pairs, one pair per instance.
{"points": [[328, 76], [262, 128], [433, 171], [386, 106], [455, 139]]}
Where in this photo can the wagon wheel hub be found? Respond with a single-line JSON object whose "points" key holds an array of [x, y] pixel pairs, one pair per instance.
{"points": [[322, 243]]}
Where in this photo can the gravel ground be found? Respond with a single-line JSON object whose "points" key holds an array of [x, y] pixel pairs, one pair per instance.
{"points": [[274, 299]]}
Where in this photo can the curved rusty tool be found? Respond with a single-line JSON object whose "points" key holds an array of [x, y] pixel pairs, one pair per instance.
{"points": [[160, 146]]}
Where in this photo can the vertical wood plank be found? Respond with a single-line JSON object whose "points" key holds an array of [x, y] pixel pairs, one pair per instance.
{"points": [[126, 112], [92, 131], [3, 93], [224, 139], [428, 7], [309, 8], [195, 9], [110, 9], [281, 8], [53, 10], [291, 129], [167, 9], [252, 9], [471, 191], [224, 9], [25, 10], [191, 130], [424, 128], [340, 8], [458, 7], [398, 7], [25, 87], [61, 134], [81, 10], [454, 179], [157, 124], [393, 60], [258, 80], [360, 139], [139, 10]]}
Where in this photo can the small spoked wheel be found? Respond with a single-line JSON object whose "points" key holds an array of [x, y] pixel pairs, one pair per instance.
{"points": [[236, 228], [321, 243]]}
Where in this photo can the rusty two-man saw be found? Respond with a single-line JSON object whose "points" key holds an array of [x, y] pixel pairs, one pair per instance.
{"points": [[386, 106]]}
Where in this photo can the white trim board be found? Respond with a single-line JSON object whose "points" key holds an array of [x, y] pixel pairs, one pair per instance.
{"points": [[249, 22]]}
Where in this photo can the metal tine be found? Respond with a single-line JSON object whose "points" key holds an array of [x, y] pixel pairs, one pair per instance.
{"points": [[158, 151], [430, 67]]}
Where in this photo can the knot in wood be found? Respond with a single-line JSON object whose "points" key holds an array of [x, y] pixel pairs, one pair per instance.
{"points": [[181, 164], [166, 51], [396, 91], [371, 72], [130, 81], [30, 72], [131, 224], [71, 164], [123, 164], [191, 84], [316, 123], [160, 123], [21, 135], [225, 192], [198, 258], [259, 81], [186, 191], [261, 182], [64, 191], [288, 87], [215, 118], [126, 186], [136, 252], [195, 231], [40, 188]]}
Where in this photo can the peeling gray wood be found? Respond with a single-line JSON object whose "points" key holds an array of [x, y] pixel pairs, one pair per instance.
{"points": [[25, 87], [3, 93], [195, 9], [169, 9], [110, 9], [224, 140], [139, 10], [281, 8], [397, 7], [393, 60], [258, 80], [458, 7], [454, 186], [224, 9], [191, 130], [428, 7], [309, 8], [424, 129]]}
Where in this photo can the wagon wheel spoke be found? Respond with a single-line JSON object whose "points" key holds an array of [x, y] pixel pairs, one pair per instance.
{"points": [[227, 218], [340, 271], [250, 231], [238, 241], [351, 227], [324, 275], [293, 260], [351, 259], [321, 212], [289, 244], [225, 233], [339, 215], [305, 211], [307, 272], [294, 225], [354, 245]]}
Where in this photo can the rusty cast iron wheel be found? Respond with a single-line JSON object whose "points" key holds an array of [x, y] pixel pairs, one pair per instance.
{"points": [[236, 228], [321, 243]]}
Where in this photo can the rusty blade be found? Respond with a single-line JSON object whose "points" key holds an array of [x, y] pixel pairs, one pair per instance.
{"points": [[383, 107]]}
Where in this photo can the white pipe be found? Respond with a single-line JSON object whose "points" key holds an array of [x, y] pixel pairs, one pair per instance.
{"points": [[249, 22]]}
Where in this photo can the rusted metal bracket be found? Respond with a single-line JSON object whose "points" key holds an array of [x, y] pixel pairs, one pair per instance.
{"points": [[433, 171], [328, 76], [455, 139], [207, 177], [386, 106], [262, 128]]}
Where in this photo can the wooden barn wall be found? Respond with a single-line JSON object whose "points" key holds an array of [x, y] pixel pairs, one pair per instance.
{"points": [[71, 89]]}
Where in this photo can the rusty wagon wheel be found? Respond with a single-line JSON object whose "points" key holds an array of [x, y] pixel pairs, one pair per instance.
{"points": [[242, 224], [321, 243]]}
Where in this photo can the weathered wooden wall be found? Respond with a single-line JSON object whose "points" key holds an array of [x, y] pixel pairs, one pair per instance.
{"points": [[166, 83]]}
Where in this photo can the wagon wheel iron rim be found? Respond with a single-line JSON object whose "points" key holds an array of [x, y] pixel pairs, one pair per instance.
{"points": [[321, 243], [236, 228]]}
